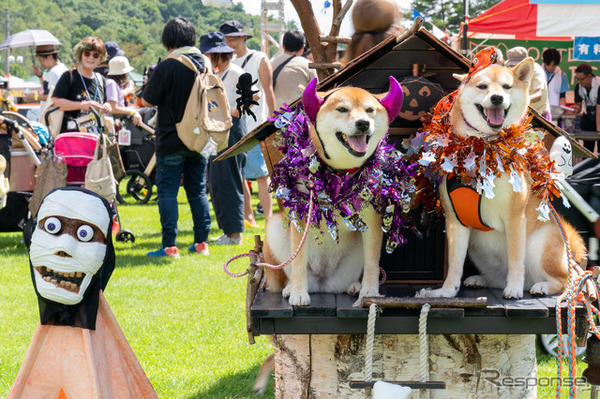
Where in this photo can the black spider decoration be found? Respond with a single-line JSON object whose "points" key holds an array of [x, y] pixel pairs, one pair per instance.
{"points": [[245, 93]]}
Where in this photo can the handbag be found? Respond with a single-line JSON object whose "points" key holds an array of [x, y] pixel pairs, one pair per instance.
{"points": [[53, 120], [99, 176], [114, 153], [50, 175]]}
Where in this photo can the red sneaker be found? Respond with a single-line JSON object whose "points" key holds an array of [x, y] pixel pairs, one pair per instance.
{"points": [[200, 248]]}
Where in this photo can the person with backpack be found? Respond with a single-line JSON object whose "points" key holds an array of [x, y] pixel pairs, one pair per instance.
{"points": [[169, 88], [290, 69]]}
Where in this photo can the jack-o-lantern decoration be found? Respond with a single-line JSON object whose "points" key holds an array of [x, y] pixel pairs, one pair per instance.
{"points": [[420, 95]]}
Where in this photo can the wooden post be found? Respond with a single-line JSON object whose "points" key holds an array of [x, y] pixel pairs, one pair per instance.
{"points": [[327, 53], [321, 366]]}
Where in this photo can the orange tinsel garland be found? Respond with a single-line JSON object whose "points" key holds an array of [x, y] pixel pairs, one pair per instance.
{"points": [[516, 149]]}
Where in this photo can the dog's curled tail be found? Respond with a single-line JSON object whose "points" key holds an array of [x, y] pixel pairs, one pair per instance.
{"points": [[578, 248]]}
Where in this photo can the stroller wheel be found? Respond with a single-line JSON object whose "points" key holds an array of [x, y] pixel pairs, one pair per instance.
{"points": [[135, 187], [125, 236]]}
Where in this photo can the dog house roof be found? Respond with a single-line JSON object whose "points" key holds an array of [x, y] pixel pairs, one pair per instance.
{"points": [[414, 53]]}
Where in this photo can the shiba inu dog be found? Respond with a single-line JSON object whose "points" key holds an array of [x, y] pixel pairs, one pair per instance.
{"points": [[347, 126], [517, 252]]}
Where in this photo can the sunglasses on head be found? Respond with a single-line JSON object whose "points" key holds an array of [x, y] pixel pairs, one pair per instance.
{"points": [[94, 54]]}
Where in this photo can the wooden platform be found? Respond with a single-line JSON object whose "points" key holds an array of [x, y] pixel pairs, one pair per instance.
{"points": [[334, 314]]}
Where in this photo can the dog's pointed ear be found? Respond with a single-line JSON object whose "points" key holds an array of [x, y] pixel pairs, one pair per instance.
{"points": [[524, 70], [392, 101], [311, 101], [461, 77]]}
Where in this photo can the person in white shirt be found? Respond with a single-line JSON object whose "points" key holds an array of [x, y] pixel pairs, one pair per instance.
{"points": [[257, 64], [558, 83], [47, 56], [538, 88], [587, 101]]}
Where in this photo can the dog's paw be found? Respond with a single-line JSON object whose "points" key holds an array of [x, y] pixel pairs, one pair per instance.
{"points": [[286, 291], [300, 298], [437, 293], [475, 282], [353, 289], [366, 292], [513, 292], [540, 289], [369, 291]]}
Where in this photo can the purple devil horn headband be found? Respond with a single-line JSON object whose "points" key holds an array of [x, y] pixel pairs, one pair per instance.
{"points": [[311, 101], [393, 99]]}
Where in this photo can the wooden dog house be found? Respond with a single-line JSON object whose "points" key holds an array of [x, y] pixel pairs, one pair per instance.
{"points": [[322, 328], [415, 56]]}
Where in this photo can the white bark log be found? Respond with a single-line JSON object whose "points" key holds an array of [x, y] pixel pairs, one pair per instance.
{"points": [[321, 366]]}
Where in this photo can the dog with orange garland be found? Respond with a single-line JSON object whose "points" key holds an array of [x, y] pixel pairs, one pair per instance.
{"points": [[510, 237]]}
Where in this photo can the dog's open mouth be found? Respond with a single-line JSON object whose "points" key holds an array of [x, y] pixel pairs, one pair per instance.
{"points": [[356, 145], [493, 116], [70, 281]]}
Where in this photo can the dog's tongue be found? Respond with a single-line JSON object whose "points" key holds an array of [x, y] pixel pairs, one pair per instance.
{"points": [[495, 116], [358, 143]]}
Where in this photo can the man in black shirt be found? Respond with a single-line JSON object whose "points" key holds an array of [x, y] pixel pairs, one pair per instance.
{"points": [[169, 88]]}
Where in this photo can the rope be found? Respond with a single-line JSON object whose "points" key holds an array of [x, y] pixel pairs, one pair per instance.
{"points": [[284, 264], [231, 274], [573, 294], [423, 343], [370, 339]]}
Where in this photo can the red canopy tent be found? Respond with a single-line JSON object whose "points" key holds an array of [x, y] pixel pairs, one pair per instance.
{"points": [[539, 19]]}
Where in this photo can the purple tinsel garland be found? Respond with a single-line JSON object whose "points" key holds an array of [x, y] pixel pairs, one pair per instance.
{"points": [[385, 181]]}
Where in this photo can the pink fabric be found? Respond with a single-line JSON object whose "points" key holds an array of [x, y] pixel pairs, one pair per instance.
{"points": [[76, 150]]}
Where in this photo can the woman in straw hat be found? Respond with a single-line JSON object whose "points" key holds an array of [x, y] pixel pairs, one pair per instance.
{"points": [[117, 79]]}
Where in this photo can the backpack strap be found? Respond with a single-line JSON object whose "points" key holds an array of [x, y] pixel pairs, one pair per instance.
{"points": [[279, 69], [189, 62], [247, 59]]}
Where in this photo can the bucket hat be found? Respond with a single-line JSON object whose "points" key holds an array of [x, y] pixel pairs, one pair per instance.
{"points": [[45, 49], [214, 42], [119, 66], [515, 55], [233, 28]]}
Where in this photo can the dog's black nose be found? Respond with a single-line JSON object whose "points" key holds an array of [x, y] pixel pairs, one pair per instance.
{"points": [[496, 99], [362, 125]]}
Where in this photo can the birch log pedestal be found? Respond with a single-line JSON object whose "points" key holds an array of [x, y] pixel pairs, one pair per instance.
{"points": [[472, 365], [478, 352]]}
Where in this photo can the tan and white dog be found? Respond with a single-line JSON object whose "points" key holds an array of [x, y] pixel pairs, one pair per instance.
{"points": [[520, 252], [347, 126]]}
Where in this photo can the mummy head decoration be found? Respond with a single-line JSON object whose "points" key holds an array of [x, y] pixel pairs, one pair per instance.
{"points": [[69, 244]]}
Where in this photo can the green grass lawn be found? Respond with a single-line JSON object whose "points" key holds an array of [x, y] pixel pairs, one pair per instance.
{"points": [[184, 319]]}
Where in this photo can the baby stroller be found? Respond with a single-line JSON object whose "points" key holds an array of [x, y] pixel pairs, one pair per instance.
{"points": [[20, 148], [137, 144], [76, 149]]}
